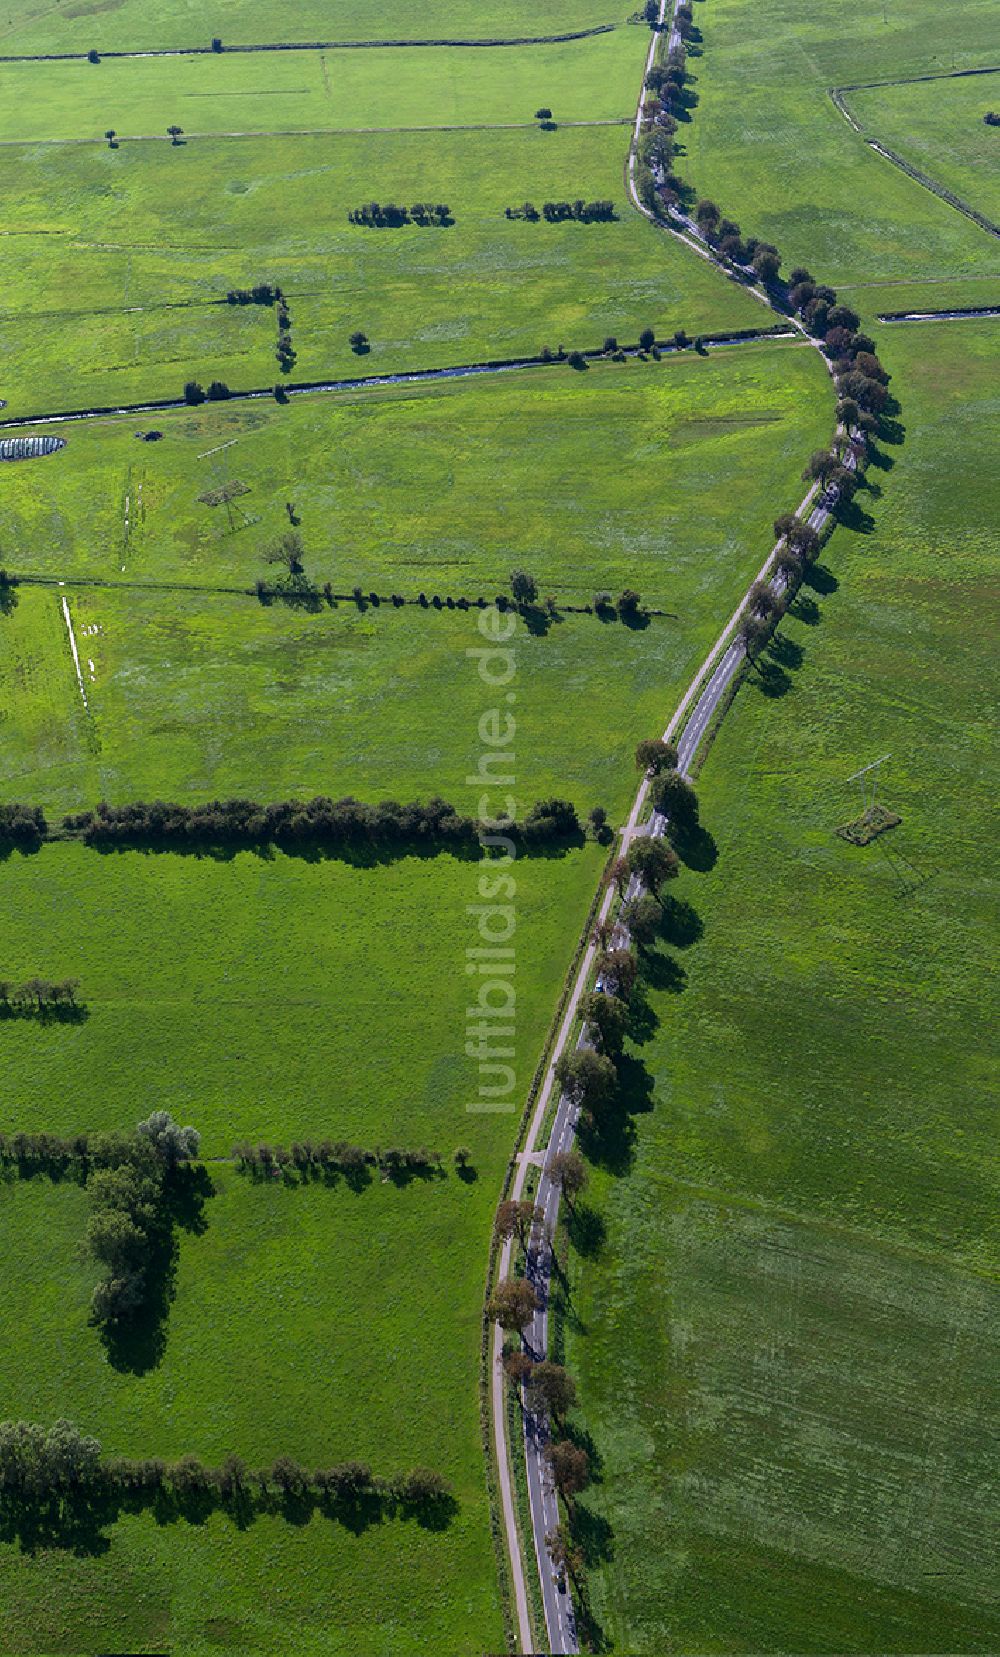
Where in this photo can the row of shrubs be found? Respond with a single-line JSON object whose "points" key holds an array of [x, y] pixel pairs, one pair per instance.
{"points": [[262, 293], [390, 216], [333, 1156], [60, 1463], [38, 993], [319, 822], [555, 212]]}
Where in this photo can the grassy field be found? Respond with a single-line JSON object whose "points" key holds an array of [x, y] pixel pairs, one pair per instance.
{"points": [[768, 144], [131, 25], [938, 128], [787, 1347], [123, 256], [589, 80], [444, 490], [292, 1331], [444, 486]]}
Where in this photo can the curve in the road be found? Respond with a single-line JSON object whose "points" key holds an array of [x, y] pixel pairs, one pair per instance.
{"points": [[722, 666]]}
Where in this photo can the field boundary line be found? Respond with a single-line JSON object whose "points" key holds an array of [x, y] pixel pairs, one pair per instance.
{"points": [[940, 190], [310, 46]]}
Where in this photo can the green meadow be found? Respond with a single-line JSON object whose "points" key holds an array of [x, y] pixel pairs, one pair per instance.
{"points": [[938, 128], [120, 260], [443, 490], [768, 144], [294, 1330], [147, 25], [787, 1343], [595, 79]]}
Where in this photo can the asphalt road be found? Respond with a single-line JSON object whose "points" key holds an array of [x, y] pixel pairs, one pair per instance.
{"points": [[560, 1616]]}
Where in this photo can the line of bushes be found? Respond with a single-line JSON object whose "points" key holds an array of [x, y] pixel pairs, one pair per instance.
{"points": [[262, 293], [311, 1160], [320, 823], [375, 215], [56, 1482], [557, 212], [37, 995]]}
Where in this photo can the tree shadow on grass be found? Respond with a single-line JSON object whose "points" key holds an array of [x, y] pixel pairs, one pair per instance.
{"points": [[786, 652], [662, 972], [642, 1022], [694, 846], [771, 680], [805, 609], [75, 1520], [680, 923], [854, 517], [821, 579], [586, 1230]]}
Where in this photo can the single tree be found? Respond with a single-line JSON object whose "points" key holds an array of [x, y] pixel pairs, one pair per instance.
{"points": [[523, 586], [517, 1367], [597, 817], [169, 1140], [462, 1158], [587, 1077], [193, 392], [564, 1552], [608, 1018], [568, 1170], [653, 754], [358, 341], [761, 599], [551, 1388], [674, 796], [517, 1219], [174, 133], [513, 1303], [111, 135], [287, 550], [650, 857], [628, 603], [755, 633], [617, 971], [647, 339], [570, 1466], [643, 917], [767, 264]]}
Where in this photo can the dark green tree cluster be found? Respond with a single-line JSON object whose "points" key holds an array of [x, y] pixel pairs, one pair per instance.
{"points": [[128, 1227], [344, 825], [312, 1159], [584, 212], [38, 995], [262, 293], [389, 215], [22, 827]]}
